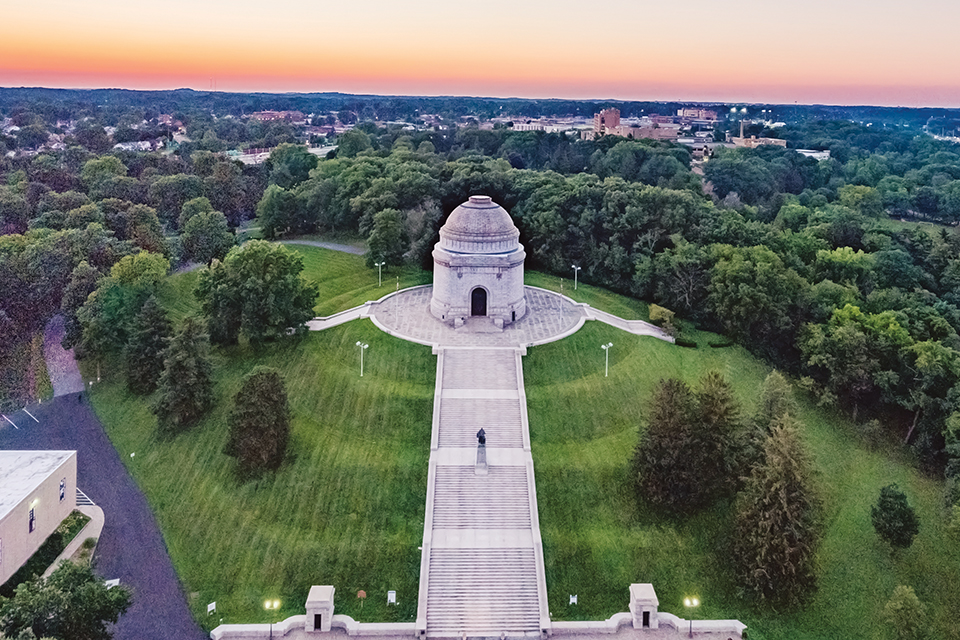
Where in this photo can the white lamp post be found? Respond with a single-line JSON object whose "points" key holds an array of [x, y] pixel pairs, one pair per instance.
{"points": [[271, 605], [575, 270], [362, 346], [690, 603], [379, 266], [606, 366]]}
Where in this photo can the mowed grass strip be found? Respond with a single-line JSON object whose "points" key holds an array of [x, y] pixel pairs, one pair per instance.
{"points": [[597, 540]]}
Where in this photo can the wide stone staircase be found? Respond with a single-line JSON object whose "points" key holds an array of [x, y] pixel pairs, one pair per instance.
{"points": [[482, 564]]}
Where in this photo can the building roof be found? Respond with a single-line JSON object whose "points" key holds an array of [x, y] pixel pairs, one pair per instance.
{"points": [[21, 472], [479, 225]]}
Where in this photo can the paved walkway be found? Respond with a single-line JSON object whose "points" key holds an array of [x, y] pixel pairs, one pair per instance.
{"points": [[64, 374], [549, 317], [333, 246]]}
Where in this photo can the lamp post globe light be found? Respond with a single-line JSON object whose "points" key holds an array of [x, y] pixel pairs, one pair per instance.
{"points": [[691, 603], [606, 365], [575, 270], [363, 346], [271, 606], [379, 266]]}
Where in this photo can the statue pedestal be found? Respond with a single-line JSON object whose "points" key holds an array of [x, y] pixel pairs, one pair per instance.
{"points": [[481, 468]]}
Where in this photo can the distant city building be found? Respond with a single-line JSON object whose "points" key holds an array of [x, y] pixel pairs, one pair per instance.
{"points": [[697, 114], [606, 120], [38, 489], [753, 141], [268, 116]]}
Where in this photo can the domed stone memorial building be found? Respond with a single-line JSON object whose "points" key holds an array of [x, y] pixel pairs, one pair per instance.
{"points": [[478, 266]]}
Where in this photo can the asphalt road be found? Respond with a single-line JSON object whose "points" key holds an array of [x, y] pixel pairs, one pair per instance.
{"points": [[130, 546]]}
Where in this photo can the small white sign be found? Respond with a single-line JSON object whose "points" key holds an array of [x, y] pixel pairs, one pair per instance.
{"points": [[573, 599], [391, 597], [211, 608], [112, 583]]}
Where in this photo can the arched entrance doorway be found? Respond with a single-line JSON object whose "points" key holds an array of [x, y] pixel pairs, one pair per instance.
{"points": [[478, 302]]}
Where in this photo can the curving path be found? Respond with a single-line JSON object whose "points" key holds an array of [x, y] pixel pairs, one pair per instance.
{"points": [[130, 547]]}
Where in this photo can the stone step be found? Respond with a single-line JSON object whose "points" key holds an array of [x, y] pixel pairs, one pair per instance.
{"points": [[462, 418], [482, 591], [498, 500], [479, 369]]}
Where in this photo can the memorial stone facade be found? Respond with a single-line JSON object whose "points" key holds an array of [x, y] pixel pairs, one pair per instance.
{"points": [[478, 266]]}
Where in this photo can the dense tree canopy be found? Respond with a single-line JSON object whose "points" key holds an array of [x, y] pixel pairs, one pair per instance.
{"points": [[73, 603], [257, 290]]}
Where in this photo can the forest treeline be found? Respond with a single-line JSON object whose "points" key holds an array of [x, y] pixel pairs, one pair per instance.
{"points": [[804, 262]]}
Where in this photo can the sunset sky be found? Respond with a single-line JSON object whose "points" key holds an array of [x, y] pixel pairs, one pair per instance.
{"points": [[812, 51]]}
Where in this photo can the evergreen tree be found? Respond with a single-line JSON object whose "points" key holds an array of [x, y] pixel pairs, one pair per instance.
{"points": [[905, 614], [717, 444], [665, 468], [186, 385], [776, 400], [259, 422], [687, 457], [776, 522], [149, 335], [894, 519]]}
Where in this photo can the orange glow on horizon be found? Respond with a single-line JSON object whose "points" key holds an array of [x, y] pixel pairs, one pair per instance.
{"points": [[821, 53]]}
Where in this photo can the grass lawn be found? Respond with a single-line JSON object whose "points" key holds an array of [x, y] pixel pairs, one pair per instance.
{"points": [[347, 508], [597, 540]]}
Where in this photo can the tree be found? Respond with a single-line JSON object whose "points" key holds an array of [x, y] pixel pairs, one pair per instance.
{"points": [[776, 522], [776, 401], [193, 207], [143, 228], [169, 193], [352, 142], [894, 519], [99, 170], [259, 422], [388, 240], [680, 463], [905, 614], [108, 311], [665, 476], [207, 237], [290, 164], [186, 384], [83, 282], [719, 425], [149, 334], [278, 212], [256, 290], [71, 604]]}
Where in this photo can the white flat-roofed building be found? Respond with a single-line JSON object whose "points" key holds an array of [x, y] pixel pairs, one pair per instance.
{"points": [[38, 489]]}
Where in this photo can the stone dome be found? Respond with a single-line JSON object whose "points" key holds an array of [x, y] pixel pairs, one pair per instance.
{"points": [[479, 226]]}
